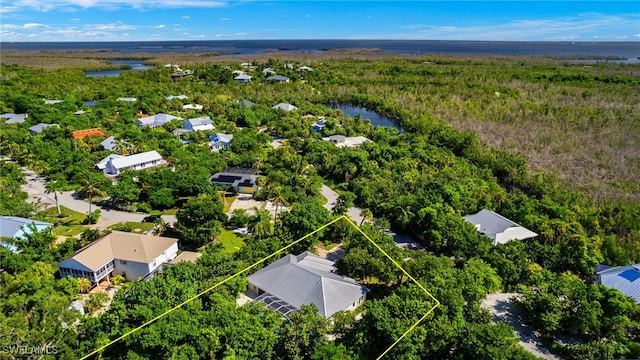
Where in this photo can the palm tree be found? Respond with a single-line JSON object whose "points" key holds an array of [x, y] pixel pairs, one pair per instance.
{"points": [[88, 189], [260, 223], [366, 215], [84, 284], [54, 187]]}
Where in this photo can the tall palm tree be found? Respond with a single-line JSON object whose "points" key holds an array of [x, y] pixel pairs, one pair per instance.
{"points": [[366, 215], [88, 189], [54, 187]]}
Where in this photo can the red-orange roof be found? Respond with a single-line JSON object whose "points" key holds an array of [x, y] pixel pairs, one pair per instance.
{"points": [[87, 132]]}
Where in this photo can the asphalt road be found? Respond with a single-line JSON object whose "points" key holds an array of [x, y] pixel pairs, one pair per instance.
{"points": [[35, 187]]}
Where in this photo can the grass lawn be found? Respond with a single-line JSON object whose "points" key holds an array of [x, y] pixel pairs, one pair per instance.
{"points": [[131, 226], [70, 222], [230, 240], [228, 200], [330, 246]]}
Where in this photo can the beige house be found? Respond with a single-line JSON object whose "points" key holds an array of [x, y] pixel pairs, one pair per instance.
{"points": [[128, 254]]}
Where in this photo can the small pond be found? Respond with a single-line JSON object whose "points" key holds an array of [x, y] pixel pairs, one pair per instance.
{"points": [[134, 64], [375, 118]]}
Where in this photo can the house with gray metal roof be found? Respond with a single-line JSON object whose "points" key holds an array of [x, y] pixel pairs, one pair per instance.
{"points": [[156, 120], [243, 78], [277, 78], [624, 278], [18, 228], [198, 124], [219, 141], [14, 118], [293, 281], [285, 107], [37, 129], [498, 228], [109, 143]]}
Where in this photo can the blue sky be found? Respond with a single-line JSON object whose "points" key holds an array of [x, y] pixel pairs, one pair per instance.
{"points": [[138, 20]]}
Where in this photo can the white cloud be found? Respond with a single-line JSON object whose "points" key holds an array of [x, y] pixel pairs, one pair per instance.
{"points": [[161, 26], [184, 17], [48, 5], [224, 19], [34, 26], [8, 9]]}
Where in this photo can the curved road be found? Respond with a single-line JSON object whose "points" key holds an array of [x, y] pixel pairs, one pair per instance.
{"points": [[35, 187]]}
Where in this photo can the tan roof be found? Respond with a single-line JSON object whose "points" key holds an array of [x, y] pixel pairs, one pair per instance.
{"points": [[123, 246], [187, 256]]}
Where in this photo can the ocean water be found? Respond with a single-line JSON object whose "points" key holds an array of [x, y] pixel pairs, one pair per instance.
{"points": [[627, 50]]}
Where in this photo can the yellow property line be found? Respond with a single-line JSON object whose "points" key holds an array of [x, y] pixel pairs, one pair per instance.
{"points": [[260, 262]]}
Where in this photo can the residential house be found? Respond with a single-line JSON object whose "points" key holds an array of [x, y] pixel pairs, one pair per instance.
{"points": [[304, 68], [219, 141], [109, 143], [285, 107], [120, 253], [156, 120], [243, 78], [179, 97], [127, 99], [198, 124], [318, 125], [498, 228], [81, 134], [293, 281], [79, 112], [52, 102], [343, 141], [14, 118], [277, 78], [238, 72], [192, 107], [18, 228], [624, 278], [114, 164], [266, 71], [241, 180], [37, 129], [245, 104]]}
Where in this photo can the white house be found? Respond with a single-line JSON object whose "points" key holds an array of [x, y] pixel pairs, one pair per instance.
{"points": [[498, 228], [115, 164], [192, 107], [156, 120], [293, 281], [344, 141], [128, 254], [179, 97], [127, 99], [219, 141], [285, 107], [243, 78], [52, 102], [198, 124], [304, 68]]}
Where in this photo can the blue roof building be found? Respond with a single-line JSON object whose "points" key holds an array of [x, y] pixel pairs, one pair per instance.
{"points": [[624, 278], [18, 228]]}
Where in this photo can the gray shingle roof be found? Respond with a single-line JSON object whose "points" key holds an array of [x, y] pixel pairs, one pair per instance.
{"points": [[307, 279]]}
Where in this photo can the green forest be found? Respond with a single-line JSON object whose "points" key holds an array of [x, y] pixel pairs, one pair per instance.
{"points": [[550, 144]]}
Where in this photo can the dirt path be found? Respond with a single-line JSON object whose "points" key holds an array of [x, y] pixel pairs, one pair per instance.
{"points": [[502, 309]]}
